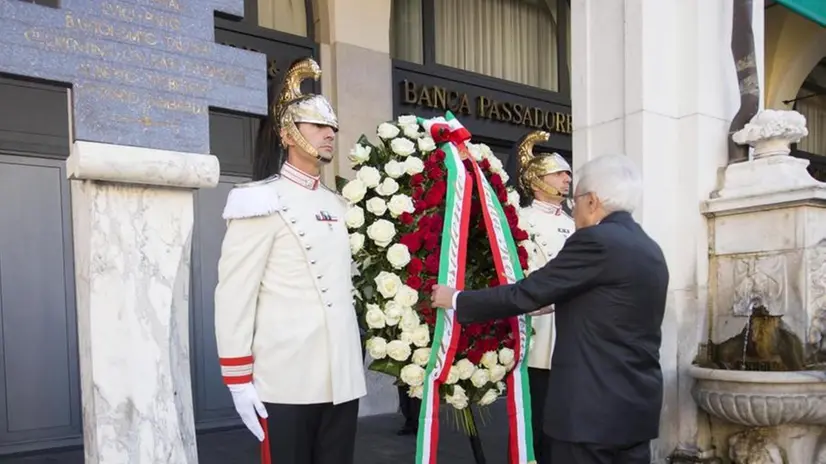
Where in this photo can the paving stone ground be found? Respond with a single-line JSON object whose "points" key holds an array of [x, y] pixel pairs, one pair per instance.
{"points": [[377, 443]]}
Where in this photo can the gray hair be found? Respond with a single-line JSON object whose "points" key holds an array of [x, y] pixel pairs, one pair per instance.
{"points": [[614, 179]]}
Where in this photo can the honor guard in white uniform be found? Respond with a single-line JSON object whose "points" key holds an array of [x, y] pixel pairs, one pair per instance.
{"points": [[545, 180], [286, 327]]}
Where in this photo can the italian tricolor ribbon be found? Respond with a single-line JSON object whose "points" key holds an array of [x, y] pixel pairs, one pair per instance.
{"points": [[451, 136]]}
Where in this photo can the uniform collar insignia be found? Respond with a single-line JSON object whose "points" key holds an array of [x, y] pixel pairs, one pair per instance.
{"points": [[300, 177], [548, 207]]}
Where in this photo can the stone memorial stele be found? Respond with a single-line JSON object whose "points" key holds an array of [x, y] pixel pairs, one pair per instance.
{"points": [[143, 75], [143, 72]]}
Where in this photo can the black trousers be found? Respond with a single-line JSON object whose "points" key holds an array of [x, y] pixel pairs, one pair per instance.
{"points": [[410, 408], [538, 380], [310, 433], [565, 452]]}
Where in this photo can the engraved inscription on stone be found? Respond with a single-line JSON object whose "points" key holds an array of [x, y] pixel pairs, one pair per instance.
{"points": [[143, 72]]}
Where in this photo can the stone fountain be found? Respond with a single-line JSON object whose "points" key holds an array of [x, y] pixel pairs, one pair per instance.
{"points": [[763, 384]]}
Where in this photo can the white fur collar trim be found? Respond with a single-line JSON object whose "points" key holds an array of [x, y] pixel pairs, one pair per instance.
{"points": [[254, 199]]}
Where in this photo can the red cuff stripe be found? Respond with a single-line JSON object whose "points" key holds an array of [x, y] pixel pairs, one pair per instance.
{"points": [[235, 380], [244, 360]]}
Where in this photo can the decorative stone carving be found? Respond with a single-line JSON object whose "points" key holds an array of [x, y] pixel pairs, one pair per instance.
{"points": [[817, 295], [755, 446], [762, 278], [761, 399], [771, 132]]}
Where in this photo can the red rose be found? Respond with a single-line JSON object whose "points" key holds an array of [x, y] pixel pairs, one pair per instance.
{"points": [[436, 223], [431, 242], [428, 284], [475, 355], [519, 234], [435, 195], [419, 205], [431, 263], [415, 266], [485, 164], [438, 154], [414, 282], [413, 241], [473, 330], [435, 173], [513, 217], [406, 218], [464, 343], [418, 193], [495, 180], [417, 179]]}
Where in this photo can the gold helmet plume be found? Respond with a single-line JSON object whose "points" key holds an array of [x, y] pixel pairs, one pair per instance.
{"points": [[293, 107], [533, 167]]}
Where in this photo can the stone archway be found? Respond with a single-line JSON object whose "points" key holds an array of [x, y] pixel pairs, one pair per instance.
{"points": [[794, 46]]}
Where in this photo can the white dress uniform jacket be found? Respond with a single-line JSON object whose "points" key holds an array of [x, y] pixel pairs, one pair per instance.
{"points": [[550, 227], [284, 314]]}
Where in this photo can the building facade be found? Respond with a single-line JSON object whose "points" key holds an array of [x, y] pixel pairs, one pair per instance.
{"points": [[504, 67]]}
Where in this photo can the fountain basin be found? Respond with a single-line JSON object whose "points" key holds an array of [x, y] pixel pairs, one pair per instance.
{"points": [[759, 398]]}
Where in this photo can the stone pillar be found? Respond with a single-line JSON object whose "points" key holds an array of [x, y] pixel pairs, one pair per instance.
{"points": [[132, 210], [655, 80], [355, 59]]}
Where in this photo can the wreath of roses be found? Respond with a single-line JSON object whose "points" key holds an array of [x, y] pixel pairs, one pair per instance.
{"points": [[395, 218]]}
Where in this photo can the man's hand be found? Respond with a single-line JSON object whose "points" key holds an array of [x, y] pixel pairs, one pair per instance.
{"points": [[442, 297], [249, 407]]}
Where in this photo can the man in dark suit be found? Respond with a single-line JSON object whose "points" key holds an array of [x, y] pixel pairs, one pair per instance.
{"points": [[608, 288]]}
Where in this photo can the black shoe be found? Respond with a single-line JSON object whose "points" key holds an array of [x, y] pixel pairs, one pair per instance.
{"points": [[408, 429]]}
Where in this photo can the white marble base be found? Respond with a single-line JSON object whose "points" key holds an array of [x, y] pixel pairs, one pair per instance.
{"points": [[132, 265], [765, 176]]}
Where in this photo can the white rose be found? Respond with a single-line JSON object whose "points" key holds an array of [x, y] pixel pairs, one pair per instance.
{"points": [[513, 198], [375, 318], [497, 373], [421, 336], [452, 376], [501, 386], [402, 146], [504, 175], [388, 187], [489, 397], [412, 375], [496, 165], [387, 130], [415, 392], [475, 151], [398, 256], [505, 356], [413, 165], [398, 350], [369, 175], [480, 378], [354, 217], [387, 284], [354, 191], [421, 356], [411, 130], [394, 169], [426, 144], [359, 154], [356, 242], [382, 232], [410, 320], [489, 359], [406, 337], [458, 399], [465, 368], [486, 151], [407, 119], [377, 347], [400, 204], [407, 296], [393, 313], [377, 206]]}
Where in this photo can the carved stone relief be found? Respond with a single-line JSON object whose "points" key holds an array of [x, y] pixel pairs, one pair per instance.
{"points": [[763, 277], [817, 295]]}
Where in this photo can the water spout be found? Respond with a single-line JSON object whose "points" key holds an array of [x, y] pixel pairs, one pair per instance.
{"points": [[754, 302]]}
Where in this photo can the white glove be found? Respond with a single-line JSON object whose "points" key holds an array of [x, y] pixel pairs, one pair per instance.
{"points": [[249, 407]]}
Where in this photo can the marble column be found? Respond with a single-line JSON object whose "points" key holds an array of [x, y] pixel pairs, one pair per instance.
{"points": [[655, 80], [357, 77], [132, 210]]}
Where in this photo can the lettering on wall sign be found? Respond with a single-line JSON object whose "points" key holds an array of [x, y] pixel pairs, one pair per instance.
{"points": [[486, 107]]}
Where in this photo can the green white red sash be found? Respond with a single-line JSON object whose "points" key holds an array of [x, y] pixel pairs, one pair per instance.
{"points": [[453, 137]]}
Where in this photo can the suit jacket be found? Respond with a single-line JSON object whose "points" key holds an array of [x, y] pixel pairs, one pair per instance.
{"points": [[609, 285]]}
